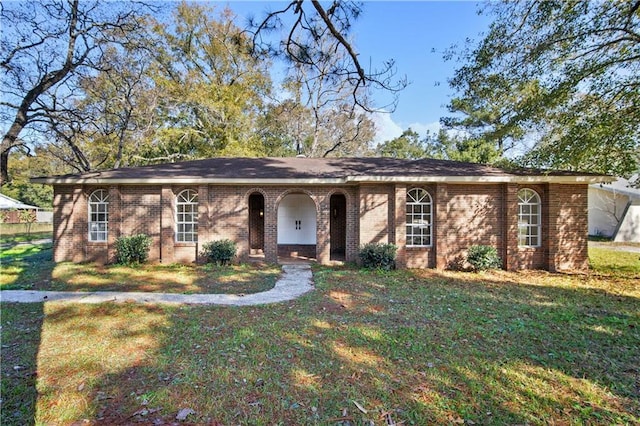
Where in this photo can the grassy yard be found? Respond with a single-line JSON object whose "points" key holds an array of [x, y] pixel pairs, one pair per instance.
{"points": [[23, 237], [419, 347], [29, 266]]}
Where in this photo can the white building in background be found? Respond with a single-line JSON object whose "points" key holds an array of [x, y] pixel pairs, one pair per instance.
{"points": [[614, 211]]}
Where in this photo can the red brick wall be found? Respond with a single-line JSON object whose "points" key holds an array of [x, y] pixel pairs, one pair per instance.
{"points": [[568, 227], [467, 215], [69, 224], [464, 215], [376, 213], [140, 214]]}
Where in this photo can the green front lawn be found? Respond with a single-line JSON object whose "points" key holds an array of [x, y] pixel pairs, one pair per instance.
{"points": [[29, 267], [25, 266], [419, 347], [612, 262], [22, 237]]}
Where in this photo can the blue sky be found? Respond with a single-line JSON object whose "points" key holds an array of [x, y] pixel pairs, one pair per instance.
{"points": [[414, 34]]}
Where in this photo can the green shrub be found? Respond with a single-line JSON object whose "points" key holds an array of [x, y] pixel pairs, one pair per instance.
{"points": [[484, 257], [219, 252], [133, 249], [378, 256]]}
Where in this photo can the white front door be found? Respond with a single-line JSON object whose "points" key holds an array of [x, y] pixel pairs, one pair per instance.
{"points": [[297, 220]]}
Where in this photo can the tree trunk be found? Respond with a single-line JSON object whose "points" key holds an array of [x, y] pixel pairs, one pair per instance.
{"points": [[48, 80], [4, 166]]}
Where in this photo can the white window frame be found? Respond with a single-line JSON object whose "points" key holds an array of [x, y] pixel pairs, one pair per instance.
{"points": [[529, 218], [98, 216], [419, 218], [187, 216]]}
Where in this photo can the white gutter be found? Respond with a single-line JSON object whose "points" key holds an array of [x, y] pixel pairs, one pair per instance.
{"points": [[483, 179], [328, 181]]}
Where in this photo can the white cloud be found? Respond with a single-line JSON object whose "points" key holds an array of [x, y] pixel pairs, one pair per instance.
{"points": [[423, 128], [387, 129]]}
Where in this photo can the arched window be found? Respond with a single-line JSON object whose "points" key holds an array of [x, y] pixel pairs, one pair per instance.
{"points": [[419, 218], [529, 218], [187, 216], [98, 215]]}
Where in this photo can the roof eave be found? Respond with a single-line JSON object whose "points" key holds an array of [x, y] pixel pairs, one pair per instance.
{"points": [[580, 179]]}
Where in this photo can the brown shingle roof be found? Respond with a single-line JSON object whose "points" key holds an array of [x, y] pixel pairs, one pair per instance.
{"points": [[313, 170]]}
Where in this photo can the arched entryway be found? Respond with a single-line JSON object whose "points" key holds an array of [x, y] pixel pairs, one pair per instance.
{"points": [[256, 224], [297, 226], [338, 226]]}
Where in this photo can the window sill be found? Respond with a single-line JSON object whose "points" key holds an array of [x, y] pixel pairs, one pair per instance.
{"points": [[184, 244]]}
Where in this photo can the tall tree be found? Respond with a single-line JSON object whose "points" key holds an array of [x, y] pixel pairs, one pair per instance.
{"points": [[306, 26], [282, 125], [407, 145], [447, 145], [558, 79], [212, 87], [42, 50], [113, 115], [335, 126]]}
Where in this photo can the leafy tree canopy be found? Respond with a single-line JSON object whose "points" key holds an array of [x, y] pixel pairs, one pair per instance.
{"points": [[44, 46], [93, 85], [407, 145], [558, 81]]}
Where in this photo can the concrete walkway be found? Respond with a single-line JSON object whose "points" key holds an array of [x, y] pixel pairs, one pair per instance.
{"points": [[294, 282], [615, 246]]}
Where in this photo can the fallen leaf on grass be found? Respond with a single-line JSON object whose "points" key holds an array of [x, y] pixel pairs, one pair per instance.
{"points": [[184, 413], [456, 420], [360, 407]]}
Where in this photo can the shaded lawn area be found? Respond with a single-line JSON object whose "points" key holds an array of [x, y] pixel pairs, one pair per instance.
{"points": [[25, 237], [29, 267], [422, 347], [26, 266]]}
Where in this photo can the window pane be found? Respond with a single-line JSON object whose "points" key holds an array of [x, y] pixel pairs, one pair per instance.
{"points": [[187, 216], [418, 218], [529, 218]]}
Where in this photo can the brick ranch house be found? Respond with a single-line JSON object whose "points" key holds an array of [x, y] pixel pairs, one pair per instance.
{"points": [[433, 210]]}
